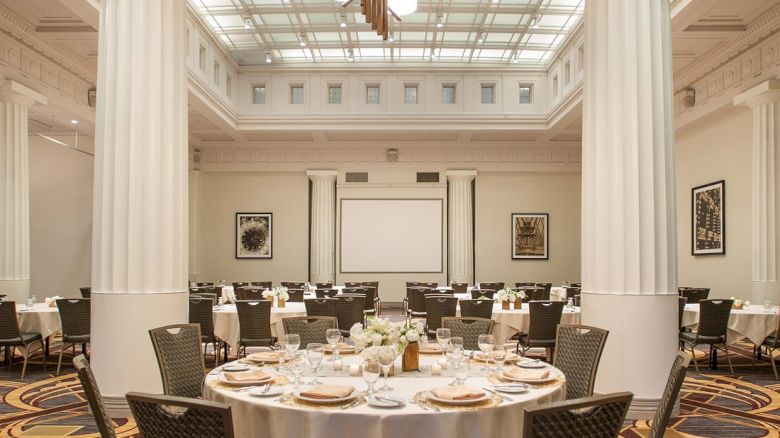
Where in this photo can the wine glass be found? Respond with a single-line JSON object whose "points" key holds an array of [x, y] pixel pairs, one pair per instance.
{"points": [[454, 358], [443, 336], [485, 343], [370, 375], [386, 357], [297, 368], [457, 340], [293, 342], [334, 337], [282, 346], [461, 372], [499, 356], [314, 354]]}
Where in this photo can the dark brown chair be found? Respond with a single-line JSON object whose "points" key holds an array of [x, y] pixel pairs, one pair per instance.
{"points": [[525, 284], [353, 290], [459, 288], [249, 294], [542, 327], [494, 286], [295, 295], [239, 284], [349, 311], [535, 294], [476, 308], [293, 284], [164, 416], [86, 292], [75, 321], [182, 369], [320, 306], [578, 301], [95, 401], [601, 416], [11, 336], [770, 344], [576, 285], [202, 313], [468, 328], [254, 321], [353, 284], [712, 329], [262, 284], [578, 351], [681, 302], [437, 307], [324, 285], [326, 293], [417, 296], [571, 292], [545, 286], [311, 329], [694, 295], [204, 284], [479, 293], [372, 301], [413, 284], [430, 284], [669, 397]]}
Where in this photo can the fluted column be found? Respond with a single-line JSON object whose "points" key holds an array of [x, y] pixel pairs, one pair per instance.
{"points": [[629, 263], [139, 234], [461, 225], [194, 221], [764, 99], [15, 99], [323, 225]]}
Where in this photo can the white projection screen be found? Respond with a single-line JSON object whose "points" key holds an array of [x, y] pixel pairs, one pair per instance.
{"points": [[391, 235]]}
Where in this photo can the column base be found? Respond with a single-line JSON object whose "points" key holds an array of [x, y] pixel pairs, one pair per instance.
{"points": [[766, 290], [122, 358], [461, 278], [321, 278], [17, 290], [640, 347]]}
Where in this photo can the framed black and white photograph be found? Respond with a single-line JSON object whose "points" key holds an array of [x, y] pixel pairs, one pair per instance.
{"points": [[254, 235], [708, 219], [530, 236]]}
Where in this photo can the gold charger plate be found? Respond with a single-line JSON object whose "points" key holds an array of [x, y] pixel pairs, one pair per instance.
{"points": [[495, 379], [278, 380], [422, 399], [298, 403]]}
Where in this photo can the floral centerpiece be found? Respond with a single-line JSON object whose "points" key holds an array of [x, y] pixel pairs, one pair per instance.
{"points": [[280, 293], [507, 296], [380, 332], [52, 302], [739, 303]]}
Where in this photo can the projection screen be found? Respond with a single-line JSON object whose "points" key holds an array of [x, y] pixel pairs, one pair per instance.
{"points": [[391, 235]]}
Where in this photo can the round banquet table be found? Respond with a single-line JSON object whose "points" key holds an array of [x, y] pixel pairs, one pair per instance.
{"points": [[226, 325], [42, 319], [255, 416], [752, 322]]}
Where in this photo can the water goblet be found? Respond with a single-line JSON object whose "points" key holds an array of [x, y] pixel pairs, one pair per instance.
{"points": [[386, 357], [443, 336], [461, 372], [370, 371], [485, 343], [499, 356], [297, 368], [314, 354], [334, 337]]}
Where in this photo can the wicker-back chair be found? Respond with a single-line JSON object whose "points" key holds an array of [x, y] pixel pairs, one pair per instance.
{"points": [[353, 290], [237, 284], [349, 310], [535, 293], [321, 306], [571, 292], [75, 320], [459, 288], [249, 294], [162, 416], [695, 294], [487, 293], [311, 329], [326, 293], [182, 369], [430, 284], [578, 351], [417, 301], [372, 301], [86, 292], [202, 313], [592, 417], [476, 308], [211, 297], [468, 328], [578, 300], [770, 344], [11, 336], [254, 321], [204, 284], [437, 307], [494, 285], [669, 397], [328, 285], [546, 286], [262, 284], [413, 284], [353, 284], [712, 329], [295, 295], [521, 285], [293, 284], [681, 302], [95, 401], [576, 285], [542, 327]]}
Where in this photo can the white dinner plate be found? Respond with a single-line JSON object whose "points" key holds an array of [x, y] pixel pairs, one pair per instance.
{"points": [[530, 363], [252, 382], [511, 388], [263, 391], [264, 359], [324, 401], [485, 396], [234, 368], [386, 401], [549, 378]]}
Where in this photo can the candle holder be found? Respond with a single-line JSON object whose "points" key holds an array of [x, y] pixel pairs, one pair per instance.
{"points": [[410, 361]]}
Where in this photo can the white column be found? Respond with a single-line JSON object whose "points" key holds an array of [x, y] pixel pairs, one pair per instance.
{"points": [[139, 234], [764, 99], [323, 225], [629, 264], [461, 225], [194, 220], [15, 99]]}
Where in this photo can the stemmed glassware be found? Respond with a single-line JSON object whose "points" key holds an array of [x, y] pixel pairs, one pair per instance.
{"points": [[386, 357], [370, 375], [455, 357], [334, 337], [461, 372], [315, 352], [292, 342], [485, 343], [499, 355], [297, 368], [443, 336]]}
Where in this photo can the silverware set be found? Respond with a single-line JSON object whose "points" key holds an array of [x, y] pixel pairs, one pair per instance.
{"points": [[503, 397]]}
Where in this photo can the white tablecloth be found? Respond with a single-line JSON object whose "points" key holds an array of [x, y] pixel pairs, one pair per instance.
{"points": [[558, 294], [509, 322], [41, 319], [752, 322], [226, 325], [266, 417]]}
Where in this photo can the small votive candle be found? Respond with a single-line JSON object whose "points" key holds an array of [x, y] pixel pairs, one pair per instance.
{"points": [[338, 365], [435, 369], [354, 370], [442, 363]]}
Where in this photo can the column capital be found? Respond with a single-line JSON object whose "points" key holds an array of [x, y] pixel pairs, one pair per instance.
{"points": [[322, 174], [468, 174], [763, 93], [14, 92]]}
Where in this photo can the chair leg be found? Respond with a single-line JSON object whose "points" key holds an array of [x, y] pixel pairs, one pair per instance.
{"points": [[695, 362], [728, 358], [26, 354], [59, 362], [11, 359], [770, 353]]}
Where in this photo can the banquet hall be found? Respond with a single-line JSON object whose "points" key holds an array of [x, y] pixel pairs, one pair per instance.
{"points": [[338, 218]]}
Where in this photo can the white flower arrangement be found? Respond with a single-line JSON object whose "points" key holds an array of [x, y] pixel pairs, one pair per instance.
{"points": [[381, 332], [278, 292], [739, 303], [510, 295], [52, 302]]}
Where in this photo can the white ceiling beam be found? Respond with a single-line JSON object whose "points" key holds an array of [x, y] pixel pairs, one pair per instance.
{"points": [[87, 11]]}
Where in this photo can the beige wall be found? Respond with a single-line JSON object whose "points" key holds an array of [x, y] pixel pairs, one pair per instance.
{"points": [[498, 195], [60, 219], [714, 149], [286, 195]]}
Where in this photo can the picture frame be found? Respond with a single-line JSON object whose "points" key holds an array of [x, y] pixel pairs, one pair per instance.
{"points": [[708, 219], [254, 235], [530, 236]]}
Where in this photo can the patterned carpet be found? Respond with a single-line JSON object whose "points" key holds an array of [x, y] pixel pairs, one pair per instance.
{"points": [[714, 404]]}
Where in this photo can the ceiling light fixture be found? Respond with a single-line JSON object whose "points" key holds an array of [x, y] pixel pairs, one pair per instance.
{"points": [[302, 39], [433, 53], [74, 122], [343, 20], [248, 22], [268, 58], [535, 22], [480, 38], [439, 20], [402, 7], [351, 55], [391, 38]]}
